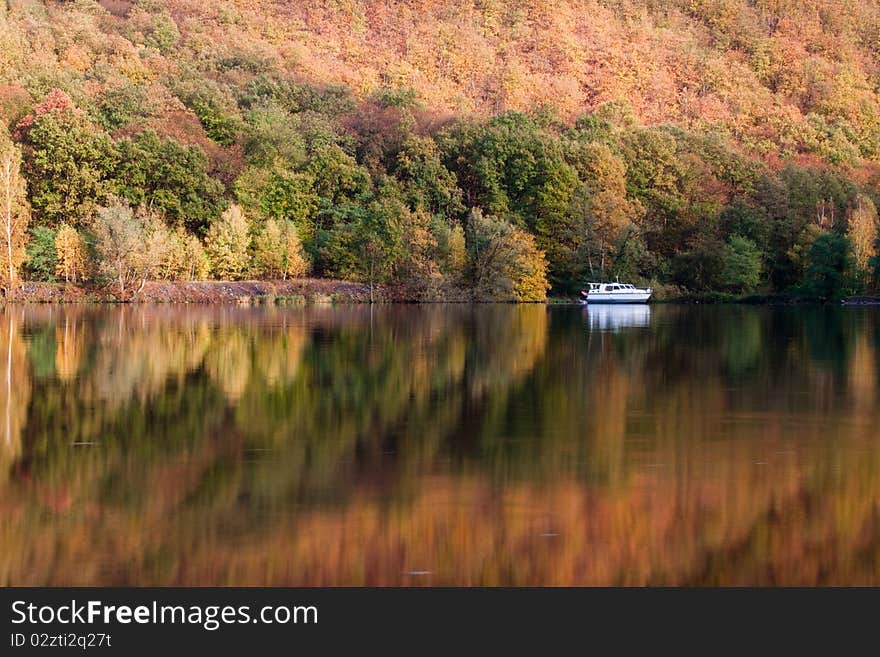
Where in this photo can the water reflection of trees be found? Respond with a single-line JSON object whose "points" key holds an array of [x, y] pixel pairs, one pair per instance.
{"points": [[15, 390], [205, 445], [319, 388]]}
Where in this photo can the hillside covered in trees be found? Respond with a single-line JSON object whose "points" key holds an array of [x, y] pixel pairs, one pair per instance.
{"points": [[491, 149]]}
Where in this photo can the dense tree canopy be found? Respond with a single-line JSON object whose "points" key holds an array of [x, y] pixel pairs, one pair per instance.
{"points": [[149, 108], [169, 177]]}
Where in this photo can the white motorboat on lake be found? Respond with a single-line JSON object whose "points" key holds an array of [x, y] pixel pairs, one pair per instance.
{"points": [[615, 293]]}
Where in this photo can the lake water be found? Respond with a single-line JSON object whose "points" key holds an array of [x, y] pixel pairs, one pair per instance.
{"points": [[438, 445]]}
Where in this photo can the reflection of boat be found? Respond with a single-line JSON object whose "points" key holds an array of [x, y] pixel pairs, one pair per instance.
{"points": [[602, 317], [615, 293]]}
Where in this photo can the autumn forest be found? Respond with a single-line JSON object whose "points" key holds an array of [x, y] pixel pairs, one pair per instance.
{"points": [[252, 166], [489, 150]]}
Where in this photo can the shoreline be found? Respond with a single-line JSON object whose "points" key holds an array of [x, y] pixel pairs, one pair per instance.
{"points": [[327, 291], [292, 292]]}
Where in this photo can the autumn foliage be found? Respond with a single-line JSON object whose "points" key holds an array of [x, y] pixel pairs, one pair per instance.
{"points": [[654, 142]]}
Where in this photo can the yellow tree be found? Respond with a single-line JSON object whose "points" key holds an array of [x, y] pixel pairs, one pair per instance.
{"points": [[506, 265], [862, 230], [227, 245], [163, 254], [530, 267], [269, 250], [457, 247], [296, 262], [72, 255], [198, 266], [179, 255], [14, 211], [278, 252]]}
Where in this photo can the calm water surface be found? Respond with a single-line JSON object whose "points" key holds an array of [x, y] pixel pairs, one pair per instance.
{"points": [[433, 445]]}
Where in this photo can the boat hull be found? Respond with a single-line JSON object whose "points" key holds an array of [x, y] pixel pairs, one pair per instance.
{"points": [[636, 297]]}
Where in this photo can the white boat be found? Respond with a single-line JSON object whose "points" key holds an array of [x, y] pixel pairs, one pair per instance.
{"points": [[615, 293]]}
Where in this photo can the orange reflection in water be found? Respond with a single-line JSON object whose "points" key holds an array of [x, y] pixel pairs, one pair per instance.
{"points": [[440, 445]]}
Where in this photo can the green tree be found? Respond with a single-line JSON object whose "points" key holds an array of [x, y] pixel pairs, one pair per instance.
{"points": [[271, 138], [365, 241], [699, 267], [170, 178], [41, 255], [212, 103], [746, 220], [68, 162], [417, 267], [831, 269], [741, 265], [633, 260], [162, 33], [509, 166], [120, 105], [338, 178], [428, 184], [447, 252], [452, 249], [280, 194], [653, 169], [516, 168]]}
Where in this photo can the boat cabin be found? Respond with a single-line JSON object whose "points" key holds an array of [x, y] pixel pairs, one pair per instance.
{"points": [[611, 287]]}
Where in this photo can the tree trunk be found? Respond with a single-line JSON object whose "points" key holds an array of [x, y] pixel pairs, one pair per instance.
{"points": [[9, 249], [7, 220]]}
